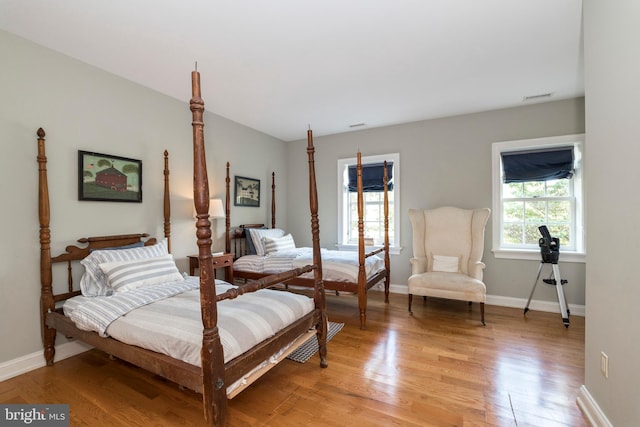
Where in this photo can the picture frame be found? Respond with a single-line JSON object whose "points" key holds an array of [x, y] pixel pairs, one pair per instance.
{"points": [[109, 178], [247, 192]]}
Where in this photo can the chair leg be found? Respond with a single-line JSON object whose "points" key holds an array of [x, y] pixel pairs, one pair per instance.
{"points": [[410, 300], [482, 314]]}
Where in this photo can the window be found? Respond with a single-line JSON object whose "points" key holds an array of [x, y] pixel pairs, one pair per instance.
{"points": [[373, 201], [538, 182]]}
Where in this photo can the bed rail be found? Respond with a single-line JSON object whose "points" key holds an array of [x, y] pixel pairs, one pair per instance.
{"points": [[263, 283]]}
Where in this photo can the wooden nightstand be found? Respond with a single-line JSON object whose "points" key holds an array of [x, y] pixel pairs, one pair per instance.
{"points": [[219, 261]]}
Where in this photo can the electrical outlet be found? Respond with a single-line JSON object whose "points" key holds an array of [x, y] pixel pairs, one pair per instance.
{"points": [[604, 364]]}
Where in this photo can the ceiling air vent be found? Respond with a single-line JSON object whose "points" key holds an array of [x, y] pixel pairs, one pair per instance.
{"points": [[537, 97]]}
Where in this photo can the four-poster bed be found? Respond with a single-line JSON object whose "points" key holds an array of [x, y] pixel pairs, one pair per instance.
{"points": [[217, 370], [343, 271]]}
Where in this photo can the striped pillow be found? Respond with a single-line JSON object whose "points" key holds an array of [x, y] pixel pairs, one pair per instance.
{"points": [[94, 283], [278, 243], [258, 233], [124, 276]]}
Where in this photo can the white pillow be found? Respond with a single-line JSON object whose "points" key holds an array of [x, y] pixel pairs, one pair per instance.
{"points": [[258, 233], [94, 283], [447, 264], [124, 276], [278, 244]]}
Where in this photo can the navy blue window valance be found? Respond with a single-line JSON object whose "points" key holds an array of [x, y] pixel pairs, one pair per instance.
{"points": [[372, 177], [539, 165]]}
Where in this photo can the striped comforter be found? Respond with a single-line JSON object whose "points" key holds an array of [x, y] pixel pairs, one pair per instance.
{"points": [[336, 265], [171, 323]]}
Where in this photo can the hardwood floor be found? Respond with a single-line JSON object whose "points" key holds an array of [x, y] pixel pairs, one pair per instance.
{"points": [[439, 367]]}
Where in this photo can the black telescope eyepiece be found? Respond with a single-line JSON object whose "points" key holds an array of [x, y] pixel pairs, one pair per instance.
{"points": [[549, 246]]}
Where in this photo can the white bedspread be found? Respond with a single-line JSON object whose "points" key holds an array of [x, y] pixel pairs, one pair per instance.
{"points": [[341, 266], [173, 325]]}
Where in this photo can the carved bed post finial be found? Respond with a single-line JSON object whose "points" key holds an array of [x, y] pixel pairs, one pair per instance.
{"points": [[273, 200], [387, 260], [362, 276], [167, 201], [318, 294], [227, 213], [214, 393], [46, 292]]}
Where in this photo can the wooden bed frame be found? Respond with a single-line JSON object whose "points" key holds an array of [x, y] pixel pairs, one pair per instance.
{"points": [[237, 237], [213, 377]]}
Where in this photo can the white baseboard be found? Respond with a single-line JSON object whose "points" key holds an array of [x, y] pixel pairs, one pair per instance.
{"points": [[548, 306], [591, 410], [35, 360]]}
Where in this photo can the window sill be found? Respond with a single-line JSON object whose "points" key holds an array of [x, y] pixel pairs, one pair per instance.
{"points": [[393, 250], [568, 256]]}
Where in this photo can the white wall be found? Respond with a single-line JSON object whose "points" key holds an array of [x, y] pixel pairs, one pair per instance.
{"points": [[83, 108], [442, 162], [612, 87]]}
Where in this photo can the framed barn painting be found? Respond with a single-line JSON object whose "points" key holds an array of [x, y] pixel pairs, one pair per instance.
{"points": [[247, 192], [104, 177]]}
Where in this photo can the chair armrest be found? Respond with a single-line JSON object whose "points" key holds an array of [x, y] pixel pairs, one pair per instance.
{"points": [[476, 270], [418, 265]]}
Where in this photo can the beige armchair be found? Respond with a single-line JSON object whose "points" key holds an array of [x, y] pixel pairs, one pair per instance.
{"points": [[448, 244]]}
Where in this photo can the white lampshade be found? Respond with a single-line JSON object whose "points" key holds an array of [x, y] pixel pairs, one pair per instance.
{"points": [[216, 209]]}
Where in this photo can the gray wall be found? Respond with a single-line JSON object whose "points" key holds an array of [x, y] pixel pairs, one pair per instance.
{"points": [[442, 162], [81, 107], [611, 36]]}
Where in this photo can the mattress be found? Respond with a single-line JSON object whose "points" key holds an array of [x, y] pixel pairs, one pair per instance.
{"points": [[339, 266], [173, 325]]}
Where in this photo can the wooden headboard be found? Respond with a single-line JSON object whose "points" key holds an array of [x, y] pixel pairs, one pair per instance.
{"points": [[238, 238], [235, 236], [75, 253]]}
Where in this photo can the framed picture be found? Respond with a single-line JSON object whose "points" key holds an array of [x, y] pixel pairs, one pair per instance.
{"points": [[104, 177], [247, 192]]}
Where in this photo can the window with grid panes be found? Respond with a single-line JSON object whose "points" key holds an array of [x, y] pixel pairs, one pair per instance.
{"points": [[523, 204], [373, 203]]}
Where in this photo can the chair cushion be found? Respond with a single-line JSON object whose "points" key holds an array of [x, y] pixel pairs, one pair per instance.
{"points": [[456, 286], [449, 264]]}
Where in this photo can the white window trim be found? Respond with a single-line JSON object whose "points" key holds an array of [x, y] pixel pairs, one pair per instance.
{"points": [[497, 148], [391, 157]]}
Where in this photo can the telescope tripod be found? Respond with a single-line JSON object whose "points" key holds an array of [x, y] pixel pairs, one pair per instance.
{"points": [[558, 282]]}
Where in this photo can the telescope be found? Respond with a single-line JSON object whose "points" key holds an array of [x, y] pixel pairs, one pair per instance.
{"points": [[549, 246], [550, 252]]}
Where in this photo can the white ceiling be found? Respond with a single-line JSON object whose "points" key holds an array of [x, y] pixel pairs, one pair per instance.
{"points": [[279, 66]]}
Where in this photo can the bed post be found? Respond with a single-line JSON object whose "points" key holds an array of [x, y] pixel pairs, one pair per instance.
{"points": [[362, 276], [167, 201], [227, 213], [318, 289], [214, 389], [46, 292], [273, 200], [387, 261]]}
